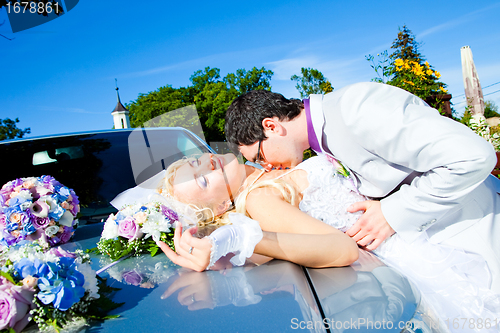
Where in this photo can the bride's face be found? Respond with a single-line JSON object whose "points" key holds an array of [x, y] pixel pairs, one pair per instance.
{"points": [[208, 179]]}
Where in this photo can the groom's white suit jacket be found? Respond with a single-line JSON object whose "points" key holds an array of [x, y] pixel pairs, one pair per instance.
{"points": [[391, 139]]}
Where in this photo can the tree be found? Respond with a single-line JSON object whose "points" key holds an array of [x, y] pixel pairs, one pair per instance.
{"points": [[158, 102], [406, 47], [209, 93], [406, 68], [310, 82], [255, 79], [490, 109], [215, 96], [9, 130]]}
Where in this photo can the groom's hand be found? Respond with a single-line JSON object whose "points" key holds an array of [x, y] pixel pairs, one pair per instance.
{"points": [[372, 228]]}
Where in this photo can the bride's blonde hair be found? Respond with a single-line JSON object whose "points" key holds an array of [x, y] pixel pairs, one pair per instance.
{"points": [[288, 192], [205, 210]]}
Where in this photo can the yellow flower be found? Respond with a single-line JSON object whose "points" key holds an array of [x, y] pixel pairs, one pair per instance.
{"points": [[429, 72], [399, 62], [427, 64], [443, 90], [417, 69], [438, 75], [409, 82]]}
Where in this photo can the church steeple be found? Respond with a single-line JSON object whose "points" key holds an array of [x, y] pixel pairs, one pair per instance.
{"points": [[120, 113]]}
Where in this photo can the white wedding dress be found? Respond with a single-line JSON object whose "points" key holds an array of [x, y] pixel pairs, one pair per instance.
{"points": [[455, 282]]}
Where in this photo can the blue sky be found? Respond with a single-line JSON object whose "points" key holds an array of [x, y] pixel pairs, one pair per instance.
{"points": [[59, 77]]}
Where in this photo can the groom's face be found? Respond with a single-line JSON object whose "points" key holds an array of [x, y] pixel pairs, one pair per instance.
{"points": [[274, 151]]}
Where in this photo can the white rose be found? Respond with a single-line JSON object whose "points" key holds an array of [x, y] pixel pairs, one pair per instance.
{"points": [[51, 231], [25, 205], [25, 195], [110, 230]]}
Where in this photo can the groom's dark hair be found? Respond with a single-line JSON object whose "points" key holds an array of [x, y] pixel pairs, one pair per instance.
{"points": [[245, 114]]}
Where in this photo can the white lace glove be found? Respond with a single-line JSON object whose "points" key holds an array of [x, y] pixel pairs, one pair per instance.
{"points": [[239, 238]]}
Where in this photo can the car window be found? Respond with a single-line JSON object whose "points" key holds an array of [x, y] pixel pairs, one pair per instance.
{"points": [[58, 154], [98, 166]]}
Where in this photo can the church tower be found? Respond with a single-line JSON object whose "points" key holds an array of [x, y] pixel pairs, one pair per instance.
{"points": [[120, 114]]}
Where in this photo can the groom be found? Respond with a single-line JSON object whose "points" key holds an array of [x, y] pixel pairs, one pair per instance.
{"points": [[428, 173]]}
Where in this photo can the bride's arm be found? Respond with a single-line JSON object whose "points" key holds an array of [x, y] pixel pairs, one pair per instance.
{"points": [[292, 235], [288, 234], [310, 250]]}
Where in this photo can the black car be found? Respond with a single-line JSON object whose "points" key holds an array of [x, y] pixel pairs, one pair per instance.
{"points": [[262, 296]]}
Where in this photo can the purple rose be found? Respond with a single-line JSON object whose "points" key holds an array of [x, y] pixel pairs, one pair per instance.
{"points": [[128, 229], [54, 240], [49, 181], [60, 252], [15, 302], [66, 235], [132, 277], [40, 222], [3, 224], [13, 184], [169, 213], [4, 196], [7, 239], [74, 202], [74, 197]]}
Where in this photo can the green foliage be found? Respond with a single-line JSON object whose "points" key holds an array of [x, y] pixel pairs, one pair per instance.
{"points": [[381, 66], [158, 102], [310, 82], [406, 68], [122, 247], [419, 79], [466, 117], [105, 304], [479, 125], [209, 93], [7, 276], [9, 130], [243, 81], [495, 129], [406, 47], [490, 109]]}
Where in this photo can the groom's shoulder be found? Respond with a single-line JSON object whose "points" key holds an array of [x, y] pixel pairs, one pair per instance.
{"points": [[349, 94], [360, 88], [366, 94]]}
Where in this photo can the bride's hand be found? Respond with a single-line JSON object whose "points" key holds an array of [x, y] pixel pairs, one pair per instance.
{"points": [[200, 249], [372, 228]]}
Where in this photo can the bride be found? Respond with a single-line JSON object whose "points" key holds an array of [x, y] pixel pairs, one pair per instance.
{"points": [[303, 216], [211, 181]]}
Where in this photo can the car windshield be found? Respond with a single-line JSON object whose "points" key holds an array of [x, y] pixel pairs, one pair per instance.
{"points": [[98, 165]]}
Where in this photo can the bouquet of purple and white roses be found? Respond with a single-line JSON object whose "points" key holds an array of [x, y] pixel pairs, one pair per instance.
{"points": [[37, 208], [135, 229], [53, 288]]}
